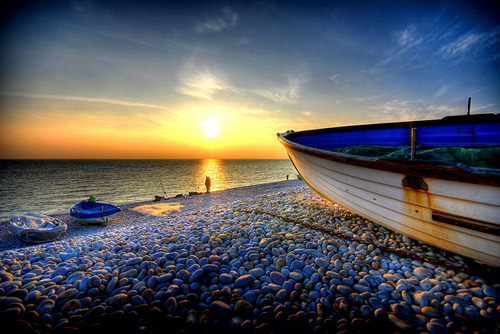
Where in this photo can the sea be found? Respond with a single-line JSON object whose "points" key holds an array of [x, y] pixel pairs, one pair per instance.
{"points": [[54, 186]]}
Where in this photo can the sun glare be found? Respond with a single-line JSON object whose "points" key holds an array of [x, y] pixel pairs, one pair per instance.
{"points": [[211, 131], [210, 128]]}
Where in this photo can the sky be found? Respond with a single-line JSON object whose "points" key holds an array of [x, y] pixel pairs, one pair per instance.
{"points": [[218, 79]]}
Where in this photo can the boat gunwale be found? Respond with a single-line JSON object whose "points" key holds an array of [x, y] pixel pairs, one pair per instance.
{"points": [[451, 171]]}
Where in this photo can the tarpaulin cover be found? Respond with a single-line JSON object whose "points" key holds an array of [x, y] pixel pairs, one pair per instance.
{"points": [[35, 222], [460, 135], [86, 209]]}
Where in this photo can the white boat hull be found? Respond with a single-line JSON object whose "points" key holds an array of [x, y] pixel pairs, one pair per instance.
{"points": [[96, 220], [381, 197]]}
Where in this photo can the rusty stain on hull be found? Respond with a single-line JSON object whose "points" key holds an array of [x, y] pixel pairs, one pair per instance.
{"points": [[416, 198], [445, 204], [418, 203]]}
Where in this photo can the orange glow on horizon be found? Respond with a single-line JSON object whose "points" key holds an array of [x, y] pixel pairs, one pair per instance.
{"points": [[97, 131]]}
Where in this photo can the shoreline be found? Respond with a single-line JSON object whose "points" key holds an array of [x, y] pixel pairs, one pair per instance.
{"points": [[32, 187], [8, 240], [237, 261]]}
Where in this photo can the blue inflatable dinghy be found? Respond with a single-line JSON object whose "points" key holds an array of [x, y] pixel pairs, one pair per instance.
{"points": [[87, 212]]}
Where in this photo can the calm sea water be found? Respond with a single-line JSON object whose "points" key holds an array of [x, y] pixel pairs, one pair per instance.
{"points": [[54, 186]]}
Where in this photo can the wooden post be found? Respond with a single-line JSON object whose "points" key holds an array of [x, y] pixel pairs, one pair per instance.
{"points": [[468, 107], [413, 143]]}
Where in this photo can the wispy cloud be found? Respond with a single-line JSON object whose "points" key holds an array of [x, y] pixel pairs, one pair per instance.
{"points": [[470, 43], [81, 99], [442, 90], [288, 94], [408, 110], [203, 84], [406, 40], [492, 107], [448, 39], [334, 77], [243, 41], [227, 20]]}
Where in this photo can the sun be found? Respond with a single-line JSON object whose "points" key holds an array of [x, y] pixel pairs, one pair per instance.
{"points": [[211, 131], [210, 128]]}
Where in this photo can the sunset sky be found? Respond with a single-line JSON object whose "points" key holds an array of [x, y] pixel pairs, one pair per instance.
{"points": [[210, 79]]}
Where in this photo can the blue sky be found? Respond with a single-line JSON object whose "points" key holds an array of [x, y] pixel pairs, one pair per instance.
{"points": [[161, 70]]}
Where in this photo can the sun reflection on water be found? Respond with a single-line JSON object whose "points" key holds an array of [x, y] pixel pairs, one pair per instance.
{"points": [[212, 168]]}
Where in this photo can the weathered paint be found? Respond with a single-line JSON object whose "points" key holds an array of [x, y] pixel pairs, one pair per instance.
{"points": [[380, 196]]}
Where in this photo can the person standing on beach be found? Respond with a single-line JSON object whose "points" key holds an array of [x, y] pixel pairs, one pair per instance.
{"points": [[208, 183]]}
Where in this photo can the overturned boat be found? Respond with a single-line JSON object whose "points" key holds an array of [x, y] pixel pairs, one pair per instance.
{"points": [[88, 212], [437, 181]]}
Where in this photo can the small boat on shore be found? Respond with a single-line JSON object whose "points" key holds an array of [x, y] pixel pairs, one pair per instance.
{"points": [[37, 228], [437, 181], [88, 212]]}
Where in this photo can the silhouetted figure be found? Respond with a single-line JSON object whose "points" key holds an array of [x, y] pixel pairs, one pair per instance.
{"points": [[208, 183]]}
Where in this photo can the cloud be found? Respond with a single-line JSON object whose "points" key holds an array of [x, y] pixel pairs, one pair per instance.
{"points": [[243, 41], [202, 84], [408, 38], [334, 77], [228, 20], [409, 110], [81, 99], [442, 37], [442, 90], [287, 94], [492, 107], [470, 43], [406, 41]]}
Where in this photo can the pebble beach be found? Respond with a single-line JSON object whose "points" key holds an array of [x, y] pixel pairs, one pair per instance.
{"points": [[271, 258]]}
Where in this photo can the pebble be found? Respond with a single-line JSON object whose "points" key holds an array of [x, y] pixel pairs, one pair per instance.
{"points": [[399, 323], [437, 328], [244, 280], [45, 306], [296, 265], [452, 299], [322, 262], [431, 312], [230, 270], [425, 284], [243, 307], [344, 289], [220, 308], [492, 291], [402, 311], [277, 277], [423, 273], [386, 287], [296, 276], [225, 278]]}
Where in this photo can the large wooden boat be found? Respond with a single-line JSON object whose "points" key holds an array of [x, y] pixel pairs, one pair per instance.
{"points": [[436, 199]]}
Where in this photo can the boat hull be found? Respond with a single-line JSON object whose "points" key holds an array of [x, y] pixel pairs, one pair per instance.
{"points": [[91, 213], [461, 217], [96, 220]]}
